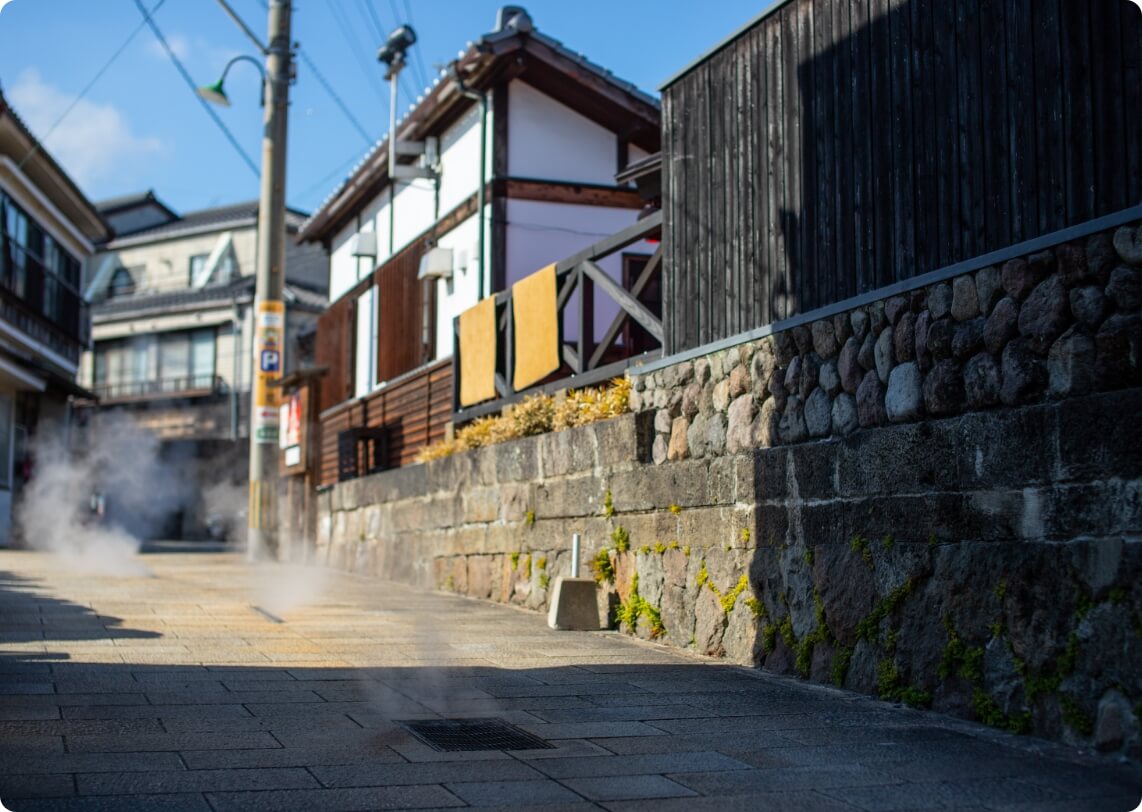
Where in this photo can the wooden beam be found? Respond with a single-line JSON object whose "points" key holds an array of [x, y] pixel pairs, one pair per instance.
{"points": [[634, 308], [651, 224], [582, 194], [617, 322], [571, 358]]}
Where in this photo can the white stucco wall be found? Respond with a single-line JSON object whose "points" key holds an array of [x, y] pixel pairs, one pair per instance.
{"points": [[455, 296], [550, 141], [541, 233]]}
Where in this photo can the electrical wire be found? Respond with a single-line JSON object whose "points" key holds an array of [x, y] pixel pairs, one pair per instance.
{"points": [[99, 73], [313, 187], [194, 89], [370, 15], [369, 140], [346, 29], [336, 98], [424, 82]]}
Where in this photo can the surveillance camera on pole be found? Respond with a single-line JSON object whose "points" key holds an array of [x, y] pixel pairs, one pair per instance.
{"points": [[392, 54]]}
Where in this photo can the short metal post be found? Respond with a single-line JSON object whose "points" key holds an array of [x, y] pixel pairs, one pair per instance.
{"points": [[575, 555]]}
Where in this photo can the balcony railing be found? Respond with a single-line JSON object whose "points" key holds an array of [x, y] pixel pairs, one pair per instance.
{"points": [[40, 305], [163, 388], [635, 330]]}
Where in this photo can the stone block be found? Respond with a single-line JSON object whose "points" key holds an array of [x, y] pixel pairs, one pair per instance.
{"points": [[904, 399], [1011, 448], [1045, 314], [574, 605], [1024, 374], [722, 474], [1071, 365], [940, 300], [739, 432], [575, 496], [824, 338], [1128, 243], [965, 299], [1099, 435], [818, 413], [904, 338], [679, 447], [515, 462], [981, 381], [810, 471], [944, 389], [988, 289], [615, 440], [884, 354], [870, 400], [909, 458], [1125, 288], [567, 452]]}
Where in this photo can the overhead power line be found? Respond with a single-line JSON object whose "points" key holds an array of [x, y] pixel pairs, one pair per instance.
{"points": [[98, 74], [194, 89], [336, 98], [424, 79], [329, 89]]}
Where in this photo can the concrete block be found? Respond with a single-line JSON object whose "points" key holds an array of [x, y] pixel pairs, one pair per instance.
{"points": [[574, 606]]}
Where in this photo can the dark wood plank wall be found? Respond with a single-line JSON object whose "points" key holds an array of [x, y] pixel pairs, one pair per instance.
{"points": [[842, 145], [404, 340], [415, 409], [334, 349]]}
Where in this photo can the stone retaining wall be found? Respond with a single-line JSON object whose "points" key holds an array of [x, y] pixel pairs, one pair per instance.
{"points": [[1058, 323], [915, 543]]}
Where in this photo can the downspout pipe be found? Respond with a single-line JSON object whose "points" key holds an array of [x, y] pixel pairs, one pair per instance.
{"points": [[482, 98]]}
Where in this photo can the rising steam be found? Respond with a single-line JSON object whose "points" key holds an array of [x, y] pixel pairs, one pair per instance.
{"points": [[122, 467]]}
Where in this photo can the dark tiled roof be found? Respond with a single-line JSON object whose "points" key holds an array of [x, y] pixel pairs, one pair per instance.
{"points": [[177, 299], [112, 204], [105, 230], [189, 299], [309, 299], [216, 218]]}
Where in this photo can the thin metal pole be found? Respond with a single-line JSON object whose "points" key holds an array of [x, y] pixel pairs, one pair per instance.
{"points": [[269, 309], [575, 555]]}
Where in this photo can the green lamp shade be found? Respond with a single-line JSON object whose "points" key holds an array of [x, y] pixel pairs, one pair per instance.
{"points": [[215, 94]]}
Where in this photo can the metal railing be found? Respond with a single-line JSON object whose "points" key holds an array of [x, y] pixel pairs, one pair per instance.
{"points": [[184, 386], [585, 360]]}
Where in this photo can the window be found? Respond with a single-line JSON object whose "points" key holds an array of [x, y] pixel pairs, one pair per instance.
{"points": [[197, 264], [37, 269], [122, 284], [169, 362]]}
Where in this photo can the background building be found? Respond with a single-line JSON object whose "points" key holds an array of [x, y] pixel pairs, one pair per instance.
{"points": [[47, 231], [172, 330]]}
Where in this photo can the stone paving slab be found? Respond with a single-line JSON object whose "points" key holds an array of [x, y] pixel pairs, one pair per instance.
{"points": [[172, 693]]}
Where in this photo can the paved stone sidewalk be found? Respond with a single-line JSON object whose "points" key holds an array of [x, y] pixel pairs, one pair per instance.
{"points": [[172, 693]]}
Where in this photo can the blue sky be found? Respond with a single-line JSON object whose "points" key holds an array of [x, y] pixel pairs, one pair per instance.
{"points": [[139, 126]]}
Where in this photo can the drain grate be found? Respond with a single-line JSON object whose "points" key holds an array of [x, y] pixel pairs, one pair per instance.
{"points": [[452, 735]]}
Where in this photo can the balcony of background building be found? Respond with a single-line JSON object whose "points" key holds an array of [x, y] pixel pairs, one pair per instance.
{"points": [[183, 387]]}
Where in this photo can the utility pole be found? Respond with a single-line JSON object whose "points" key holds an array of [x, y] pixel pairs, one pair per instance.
{"points": [[269, 310]]}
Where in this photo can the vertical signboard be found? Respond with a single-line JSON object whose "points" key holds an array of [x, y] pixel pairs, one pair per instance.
{"points": [[269, 347]]}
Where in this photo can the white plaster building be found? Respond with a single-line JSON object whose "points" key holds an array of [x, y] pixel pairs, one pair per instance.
{"points": [[555, 130]]}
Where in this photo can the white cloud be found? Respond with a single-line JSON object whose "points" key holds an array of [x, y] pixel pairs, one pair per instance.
{"points": [[178, 43], [93, 142]]}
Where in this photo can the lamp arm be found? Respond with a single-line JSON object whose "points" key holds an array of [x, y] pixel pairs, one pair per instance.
{"points": [[245, 28], [243, 58]]}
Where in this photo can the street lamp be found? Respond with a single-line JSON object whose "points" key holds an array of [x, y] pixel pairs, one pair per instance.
{"points": [[216, 95], [269, 274]]}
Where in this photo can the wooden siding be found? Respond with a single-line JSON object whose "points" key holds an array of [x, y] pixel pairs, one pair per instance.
{"points": [[406, 329], [334, 349], [838, 146], [415, 409]]}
